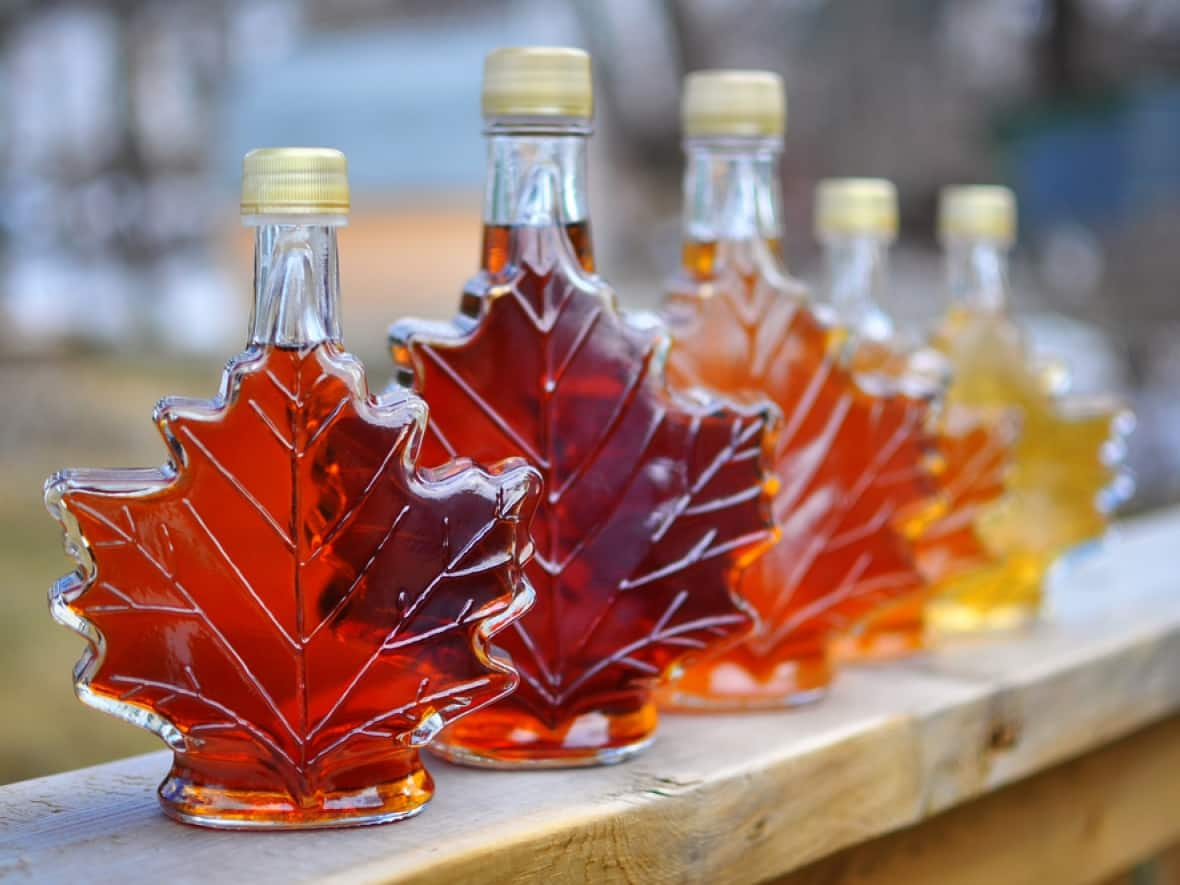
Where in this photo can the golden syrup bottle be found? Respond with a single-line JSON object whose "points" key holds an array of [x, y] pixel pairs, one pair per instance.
{"points": [[850, 460], [856, 219], [290, 603], [653, 501], [1066, 474]]}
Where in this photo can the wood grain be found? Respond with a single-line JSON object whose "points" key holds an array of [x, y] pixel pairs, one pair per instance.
{"points": [[1085, 821], [718, 799], [1166, 866]]}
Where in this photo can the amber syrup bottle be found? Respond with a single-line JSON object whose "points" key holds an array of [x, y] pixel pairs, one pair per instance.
{"points": [[654, 502], [856, 219], [850, 460], [1067, 474], [289, 602]]}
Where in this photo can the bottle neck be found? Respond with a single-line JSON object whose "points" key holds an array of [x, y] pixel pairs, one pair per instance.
{"points": [[536, 177], [732, 195], [857, 279], [977, 274], [296, 282]]}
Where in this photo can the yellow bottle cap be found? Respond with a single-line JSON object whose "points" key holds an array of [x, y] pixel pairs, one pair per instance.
{"points": [[733, 103], [856, 206], [537, 81], [981, 212], [294, 181]]}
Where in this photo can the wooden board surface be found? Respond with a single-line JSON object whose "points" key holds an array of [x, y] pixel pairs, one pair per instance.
{"points": [[737, 798], [1088, 820]]}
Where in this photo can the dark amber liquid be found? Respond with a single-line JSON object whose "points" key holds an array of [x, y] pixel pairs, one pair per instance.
{"points": [[294, 602], [703, 261], [633, 563], [851, 465], [497, 245]]}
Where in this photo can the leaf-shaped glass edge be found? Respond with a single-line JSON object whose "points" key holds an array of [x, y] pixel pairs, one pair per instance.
{"points": [[1054, 379], [142, 481], [1113, 453], [539, 208], [920, 376]]}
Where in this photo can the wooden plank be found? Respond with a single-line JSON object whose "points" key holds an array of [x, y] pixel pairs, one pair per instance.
{"points": [[1086, 821], [721, 798], [528, 822], [1166, 867], [1106, 663]]}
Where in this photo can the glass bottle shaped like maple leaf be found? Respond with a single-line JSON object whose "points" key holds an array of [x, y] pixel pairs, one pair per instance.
{"points": [[289, 602], [856, 219], [653, 501], [851, 461], [1067, 471]]}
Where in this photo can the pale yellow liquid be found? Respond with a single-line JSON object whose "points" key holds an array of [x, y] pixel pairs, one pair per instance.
{"points": [[1056, 480]]}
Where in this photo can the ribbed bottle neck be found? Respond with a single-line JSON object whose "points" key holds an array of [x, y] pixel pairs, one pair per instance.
{"points": [[977, 274], [296, 282], [732, 190], [857, 280], [537, 172]]}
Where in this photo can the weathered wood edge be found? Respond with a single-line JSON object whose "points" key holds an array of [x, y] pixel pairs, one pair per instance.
{"points": [[1085, 820], [731, 798]]}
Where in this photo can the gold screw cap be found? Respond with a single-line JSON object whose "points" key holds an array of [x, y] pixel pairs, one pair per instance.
{"points": [[979, 212], [537, 81], [295, 181], [734, 103], [856, 206]]}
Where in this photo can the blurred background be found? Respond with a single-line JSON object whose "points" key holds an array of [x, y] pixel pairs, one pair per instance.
{"points": [[124, 275]]}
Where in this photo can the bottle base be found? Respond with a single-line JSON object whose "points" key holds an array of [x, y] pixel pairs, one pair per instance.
{"points": [[726, 686], [955, 618], [879, 645], [222, 808], [682, 702], [1005, 597], [509, 738], [581, 758]]}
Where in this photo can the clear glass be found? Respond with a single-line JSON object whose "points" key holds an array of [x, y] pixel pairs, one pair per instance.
{"points": [[1067, 470], [290, 602], [653, 499], [971, 449], [977, 275], [850, 460], [857, 269], [857, 285]]}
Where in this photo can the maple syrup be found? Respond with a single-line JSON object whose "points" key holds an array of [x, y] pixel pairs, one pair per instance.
{"points": [[856, 220], [1066, 474], [654, 501], [289, 602], [851, 462]]}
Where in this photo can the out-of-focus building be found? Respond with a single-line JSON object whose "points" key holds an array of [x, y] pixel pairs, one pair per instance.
{"points": [[124, 122]]}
